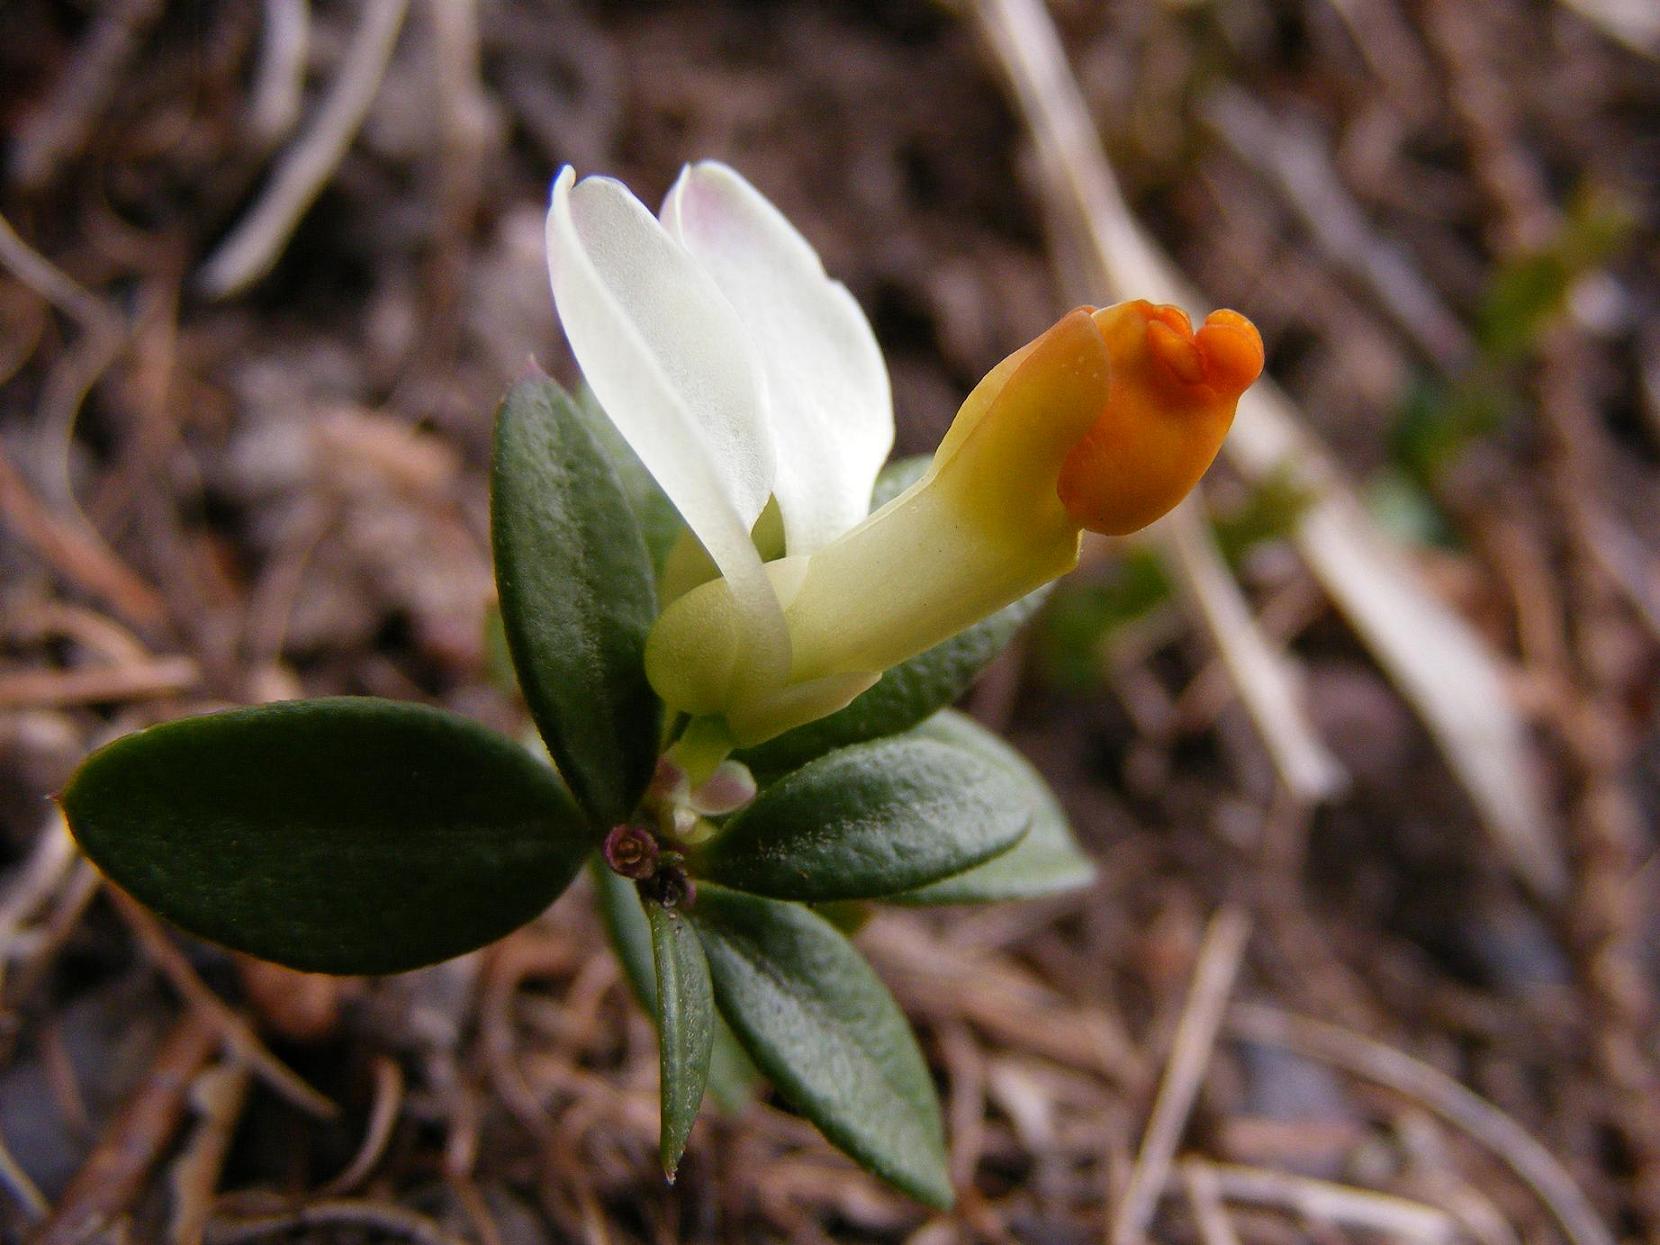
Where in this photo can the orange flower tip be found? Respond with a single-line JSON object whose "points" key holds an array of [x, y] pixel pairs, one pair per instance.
{"points": [[1231, 349], [1177, 351], [1225, 355], [1169, 405]]}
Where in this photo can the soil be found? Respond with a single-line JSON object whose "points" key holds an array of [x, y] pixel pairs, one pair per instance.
{"points": [[224, 498]]}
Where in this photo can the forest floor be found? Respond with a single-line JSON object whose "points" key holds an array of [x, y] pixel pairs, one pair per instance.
{"points": [[1352, 1013]]}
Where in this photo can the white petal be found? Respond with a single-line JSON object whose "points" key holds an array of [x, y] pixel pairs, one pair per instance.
{"points": [[668, 359], [826, 387]]}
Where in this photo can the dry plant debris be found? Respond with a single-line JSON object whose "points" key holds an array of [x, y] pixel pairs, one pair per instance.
{"points": [[1291, 1009]]}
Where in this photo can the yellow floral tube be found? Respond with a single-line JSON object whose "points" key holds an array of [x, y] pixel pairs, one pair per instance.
{"points": [[1103, 423]]}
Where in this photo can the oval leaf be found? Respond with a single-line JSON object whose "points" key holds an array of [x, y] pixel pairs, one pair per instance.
{"points": [[685, 1027], [342, 836], [1046, 862], [819, 1023], [871, 820], [910, 692], [732, 1077], [578, 597]]}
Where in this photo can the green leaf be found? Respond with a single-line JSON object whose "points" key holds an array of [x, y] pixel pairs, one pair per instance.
{"points": [[733, 1079], [577, 596], [1046, 862], [685, 1027], [624, 917], [660, 523], [350, 835], [819, 1023], [913, 690], [874, 819]]}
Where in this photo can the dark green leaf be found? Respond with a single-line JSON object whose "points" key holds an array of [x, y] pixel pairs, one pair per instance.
{"points": [[685, 1027], [625, 922], [660, 523], [343, 836], [871, 820], [577, 597], [498, 658], [732, 1077], [911, 691], [821, 1025], [1045, 862]]}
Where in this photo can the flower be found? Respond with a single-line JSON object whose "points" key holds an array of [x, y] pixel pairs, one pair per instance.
{"points": [[741, 374], [732, 365]]}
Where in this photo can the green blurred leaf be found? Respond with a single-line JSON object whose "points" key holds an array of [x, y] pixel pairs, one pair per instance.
{"points": [[733, 1079], [871, 820], [1440, 418], [1047, 861], [1083, 613], [1270, 511], [577, 597], [341, 836], [1404, 508], [1530, 289], [660, 523], [821, 1025], [685, 1027]]}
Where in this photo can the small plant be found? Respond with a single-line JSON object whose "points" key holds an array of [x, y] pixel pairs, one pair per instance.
{"points": [[738, 635]]}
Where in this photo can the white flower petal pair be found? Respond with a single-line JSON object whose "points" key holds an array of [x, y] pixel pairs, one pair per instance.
{"points": [[735, 368]]}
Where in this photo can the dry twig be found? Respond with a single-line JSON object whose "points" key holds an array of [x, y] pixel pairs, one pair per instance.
{"points": [[1190, 1054], [1386, 1066], [383, 1117], [218, 1095], [1287, 150], [86, 685], [253, 246], [279, 81], [1259, 670], [338, 1212], [23, 1190], [57, 287], [1204, 1195], [1321, 1201], [113, 1173], [76, 552], [58, 130], [232, 1028]]}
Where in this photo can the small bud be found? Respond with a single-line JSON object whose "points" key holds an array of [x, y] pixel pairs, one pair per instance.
{"points": [[631, 851], [670, 887], [727, 790]]}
